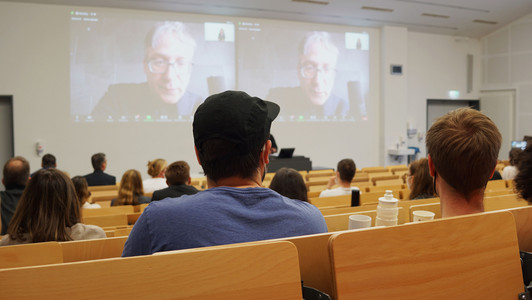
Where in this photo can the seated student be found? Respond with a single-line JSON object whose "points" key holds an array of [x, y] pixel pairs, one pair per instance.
{"points": [[82, 191], [15, 177], [49, 210], [235, 208], [419, 180], [178, 179], [345, 171], [130, 191], [47, 161], [509, 172], [156, 169], [523, 179], [289, 183], [98, 177], [462, 146]]}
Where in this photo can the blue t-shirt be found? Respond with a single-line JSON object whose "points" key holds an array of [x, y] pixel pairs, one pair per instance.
{"points": [[221, 215]]}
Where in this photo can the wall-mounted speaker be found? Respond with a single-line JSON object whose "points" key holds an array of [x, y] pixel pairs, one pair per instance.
{"points": [[469, 73]]}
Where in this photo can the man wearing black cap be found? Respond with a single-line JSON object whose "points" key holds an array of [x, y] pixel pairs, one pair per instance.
{"points": [[231, 137]]}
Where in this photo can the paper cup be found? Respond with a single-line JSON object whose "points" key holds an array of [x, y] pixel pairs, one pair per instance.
{"points": [[359, 221], [423, 215]]}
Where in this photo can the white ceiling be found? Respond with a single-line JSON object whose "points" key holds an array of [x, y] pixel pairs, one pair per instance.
{"points": [[406, 13]]}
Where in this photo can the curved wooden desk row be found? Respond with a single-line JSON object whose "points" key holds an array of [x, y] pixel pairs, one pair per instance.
{"points": [[468, 257]]}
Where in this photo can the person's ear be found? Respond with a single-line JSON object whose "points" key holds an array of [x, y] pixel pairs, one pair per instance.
{"points": [[432, 169], [265, 152], [197, 155], [189, 180]]}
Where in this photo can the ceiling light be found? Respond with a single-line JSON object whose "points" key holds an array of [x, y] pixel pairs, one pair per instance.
{"points": [[434, 16], [377, 9], [323, 2], [485, 22]]}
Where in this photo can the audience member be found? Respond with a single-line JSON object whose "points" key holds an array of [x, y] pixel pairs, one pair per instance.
{"points": [[462, 147], [47, 161], [289, 183], [82, 191], [98, 177], [231, 137], [345, 171], [130, 191], [509, 172], [178, 180], [523, 179], [156, 169], [49, 210], [419, 180], [15, 178]]}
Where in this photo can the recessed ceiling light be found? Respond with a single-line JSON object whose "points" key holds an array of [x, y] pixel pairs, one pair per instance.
{"points": [[377, 9], [434, 16], [313, 1], [485, 22]]}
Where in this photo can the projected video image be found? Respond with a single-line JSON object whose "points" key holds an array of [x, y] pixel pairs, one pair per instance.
{"points": [[132, 69], [313, 75]]}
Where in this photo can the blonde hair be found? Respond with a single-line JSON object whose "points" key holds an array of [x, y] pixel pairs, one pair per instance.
{"points": [[156, 166], [130, 188]]}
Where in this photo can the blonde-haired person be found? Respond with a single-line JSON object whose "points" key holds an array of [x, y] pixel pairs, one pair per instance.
{"points": [[130, 191], [419, 180], [82, 191], [49, 210], [156, 169]]}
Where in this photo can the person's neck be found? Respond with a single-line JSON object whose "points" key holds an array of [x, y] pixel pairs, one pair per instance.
{"points": [[454, 203], [344, 184], [235, 181]]}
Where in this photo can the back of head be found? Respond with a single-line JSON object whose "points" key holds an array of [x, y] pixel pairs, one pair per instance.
{"points": [[514, 156], [130, 188], [16, 172], [48, 161], [156, 166], [82, 188], [177, 173], [347, 169], [523, 179], [97, 161], [289, 183], [422, 183], [47, 207], [230, 130], [464, 145]]}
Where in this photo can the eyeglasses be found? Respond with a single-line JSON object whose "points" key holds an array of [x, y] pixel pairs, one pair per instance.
{"points": [[309, 71], [160, 66]]}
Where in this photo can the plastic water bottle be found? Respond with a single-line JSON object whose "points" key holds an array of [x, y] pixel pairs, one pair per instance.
{"points": [[387, 210]]}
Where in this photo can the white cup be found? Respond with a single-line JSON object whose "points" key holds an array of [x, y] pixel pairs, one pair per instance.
{"points": [[423, 215], [359, 221]]}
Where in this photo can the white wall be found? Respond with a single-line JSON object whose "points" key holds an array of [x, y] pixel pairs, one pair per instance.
{"points": [[34, 45], [437, 64], [507, 60]]}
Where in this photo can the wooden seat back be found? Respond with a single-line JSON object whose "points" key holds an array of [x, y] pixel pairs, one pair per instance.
{"points": [[503, 202], [344, 200], [92, 249], [114, 210], [467, 257], [30, 255], [97, 188], [268, 270], [494, 185], [107, 220], [374, 170], [523, 225]]}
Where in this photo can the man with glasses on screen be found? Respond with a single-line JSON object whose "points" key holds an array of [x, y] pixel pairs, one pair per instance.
{"points": [[316, 72], [169, 50]]}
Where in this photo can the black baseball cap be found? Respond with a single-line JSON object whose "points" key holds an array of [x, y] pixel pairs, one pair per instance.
{"points": [[236, 117]]}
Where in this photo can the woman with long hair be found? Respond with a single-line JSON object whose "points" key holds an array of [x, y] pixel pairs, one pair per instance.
{"points": [[130, 191], [419, 180], [156, 169], [82, 191], [49, 210], [289, 183]]}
